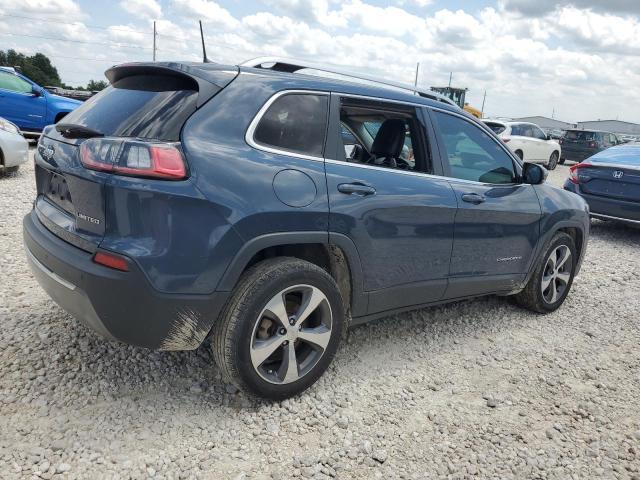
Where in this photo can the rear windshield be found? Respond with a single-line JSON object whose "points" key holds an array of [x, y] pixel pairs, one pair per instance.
{"points": [[580, 135], [139, 106], [497, 128]]}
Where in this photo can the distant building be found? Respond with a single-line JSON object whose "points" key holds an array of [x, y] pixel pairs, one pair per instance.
{"points": [[614, 126], [546, 123]]}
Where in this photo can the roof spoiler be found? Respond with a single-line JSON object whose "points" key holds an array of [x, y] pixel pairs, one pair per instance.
{"points": [[209, 81]]}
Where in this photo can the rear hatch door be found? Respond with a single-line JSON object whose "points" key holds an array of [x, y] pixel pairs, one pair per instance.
{"points": [[147, 101]]}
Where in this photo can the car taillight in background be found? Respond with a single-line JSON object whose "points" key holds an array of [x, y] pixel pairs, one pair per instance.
{"points": [[593, 144], [573, 171], [561, 141], [138, 158], [505, 140]]}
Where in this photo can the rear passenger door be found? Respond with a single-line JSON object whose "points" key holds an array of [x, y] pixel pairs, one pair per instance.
{"points": [[388, 202], [497, 224], [543, 148]]}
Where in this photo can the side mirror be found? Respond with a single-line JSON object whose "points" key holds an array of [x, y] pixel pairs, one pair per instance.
{"points": [[534, 174], [36, 91]]}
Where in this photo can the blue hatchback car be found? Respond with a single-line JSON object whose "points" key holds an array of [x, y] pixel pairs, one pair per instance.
{"points": [[28, 105], [267, 210]]}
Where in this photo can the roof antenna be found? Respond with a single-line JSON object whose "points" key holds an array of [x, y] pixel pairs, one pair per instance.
{"points": [[204, 50]]}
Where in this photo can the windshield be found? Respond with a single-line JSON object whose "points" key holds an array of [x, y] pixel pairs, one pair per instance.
{"points": [[144, 107]]}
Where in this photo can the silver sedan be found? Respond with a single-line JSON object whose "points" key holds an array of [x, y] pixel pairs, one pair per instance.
{"points": [[14, 149]]}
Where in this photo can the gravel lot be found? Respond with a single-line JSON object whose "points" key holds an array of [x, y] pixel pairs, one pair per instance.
{"points": [[474, 389]]}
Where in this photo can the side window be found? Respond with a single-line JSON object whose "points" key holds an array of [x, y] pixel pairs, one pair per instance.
{"points": [[387, 135], [11, 82], [471, 153], [295, 123], [539, 134], [613, 139], [527, 131]]}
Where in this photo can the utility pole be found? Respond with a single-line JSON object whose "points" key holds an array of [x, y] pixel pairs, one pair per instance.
{"points": [[483, 100], [415, 83], [154, 40], [450, 77]]}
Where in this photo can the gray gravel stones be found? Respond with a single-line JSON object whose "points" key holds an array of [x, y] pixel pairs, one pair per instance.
{"points": [[407, 397]]}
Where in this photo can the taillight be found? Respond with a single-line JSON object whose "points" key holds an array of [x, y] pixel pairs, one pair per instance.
{"points": [[573, 171], [593, 144], [134, 157], [111, 260], [506, 140], [560, 141]]}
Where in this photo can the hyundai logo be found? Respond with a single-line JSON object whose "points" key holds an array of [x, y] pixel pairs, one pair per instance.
{"points": [[618, 174]]}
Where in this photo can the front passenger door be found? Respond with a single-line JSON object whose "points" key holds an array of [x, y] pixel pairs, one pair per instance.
{"points": [[497, 223], [18, 104]]}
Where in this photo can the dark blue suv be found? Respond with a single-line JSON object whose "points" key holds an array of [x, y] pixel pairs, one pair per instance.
{"points": [[267, 210]]}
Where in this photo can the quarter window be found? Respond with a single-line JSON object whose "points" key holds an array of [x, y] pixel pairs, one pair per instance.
{"points": [[471, 153], [11, 82], [295, 123]]}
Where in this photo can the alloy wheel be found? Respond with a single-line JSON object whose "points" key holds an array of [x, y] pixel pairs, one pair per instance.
{"points": [[291, 334], [557, 274]]}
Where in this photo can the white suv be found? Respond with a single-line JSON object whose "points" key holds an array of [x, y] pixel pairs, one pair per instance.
{"points": [[527, 141]]}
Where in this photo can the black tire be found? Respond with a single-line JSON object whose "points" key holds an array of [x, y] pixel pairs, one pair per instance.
{"points": [[561, 161], [533, 296], [553, 161], [235, 332], [519, 154]]}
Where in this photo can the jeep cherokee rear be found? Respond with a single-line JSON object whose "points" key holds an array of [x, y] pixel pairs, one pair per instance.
{"points": [[197, 200]]}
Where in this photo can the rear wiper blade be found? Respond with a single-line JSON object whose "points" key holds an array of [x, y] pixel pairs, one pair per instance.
{"points": [[72, 130]]}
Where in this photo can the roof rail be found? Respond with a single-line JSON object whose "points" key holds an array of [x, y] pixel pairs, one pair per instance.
{"points": [[291, 65]]}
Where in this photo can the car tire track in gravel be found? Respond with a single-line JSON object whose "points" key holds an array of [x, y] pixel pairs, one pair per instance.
{"points": [[475, 389]]}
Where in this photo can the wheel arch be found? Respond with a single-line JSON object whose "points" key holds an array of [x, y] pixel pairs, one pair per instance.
{"points": [[334, 253], [574, 229]]}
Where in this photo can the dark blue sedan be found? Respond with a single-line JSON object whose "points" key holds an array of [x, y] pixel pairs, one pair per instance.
{"points": [[610, 183]]}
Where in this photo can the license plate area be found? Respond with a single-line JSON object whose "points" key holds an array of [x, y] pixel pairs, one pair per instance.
{"points": [[57, 192]]}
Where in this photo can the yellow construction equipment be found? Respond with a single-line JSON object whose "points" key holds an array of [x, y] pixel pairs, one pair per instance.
{"points": [[458, 95]]}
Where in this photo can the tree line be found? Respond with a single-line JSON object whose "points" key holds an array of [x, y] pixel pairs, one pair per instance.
{"points": [[40, 69]]}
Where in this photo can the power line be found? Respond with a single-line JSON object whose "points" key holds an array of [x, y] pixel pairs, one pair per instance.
{"points": [[99, 27], [107, 60], [119, 45]]}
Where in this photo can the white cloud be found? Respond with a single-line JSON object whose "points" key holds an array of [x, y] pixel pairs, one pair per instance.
{"points": [[311, 11], [142, 8], [206, 10], [582, 62], [63, 9]]}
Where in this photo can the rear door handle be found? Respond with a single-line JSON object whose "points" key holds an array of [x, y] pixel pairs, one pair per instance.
{"points": [[474, 198], [356, 188]]}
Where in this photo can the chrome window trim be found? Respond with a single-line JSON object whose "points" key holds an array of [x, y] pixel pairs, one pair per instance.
{"points": [[249, 135], [254, 123]]}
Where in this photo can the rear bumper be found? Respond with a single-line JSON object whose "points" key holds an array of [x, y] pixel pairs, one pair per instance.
{"points": [[608, 208], [576, 155], [118, 305]]}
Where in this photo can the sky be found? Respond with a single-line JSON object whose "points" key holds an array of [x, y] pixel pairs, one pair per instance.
{"points": [[575, 60]]}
